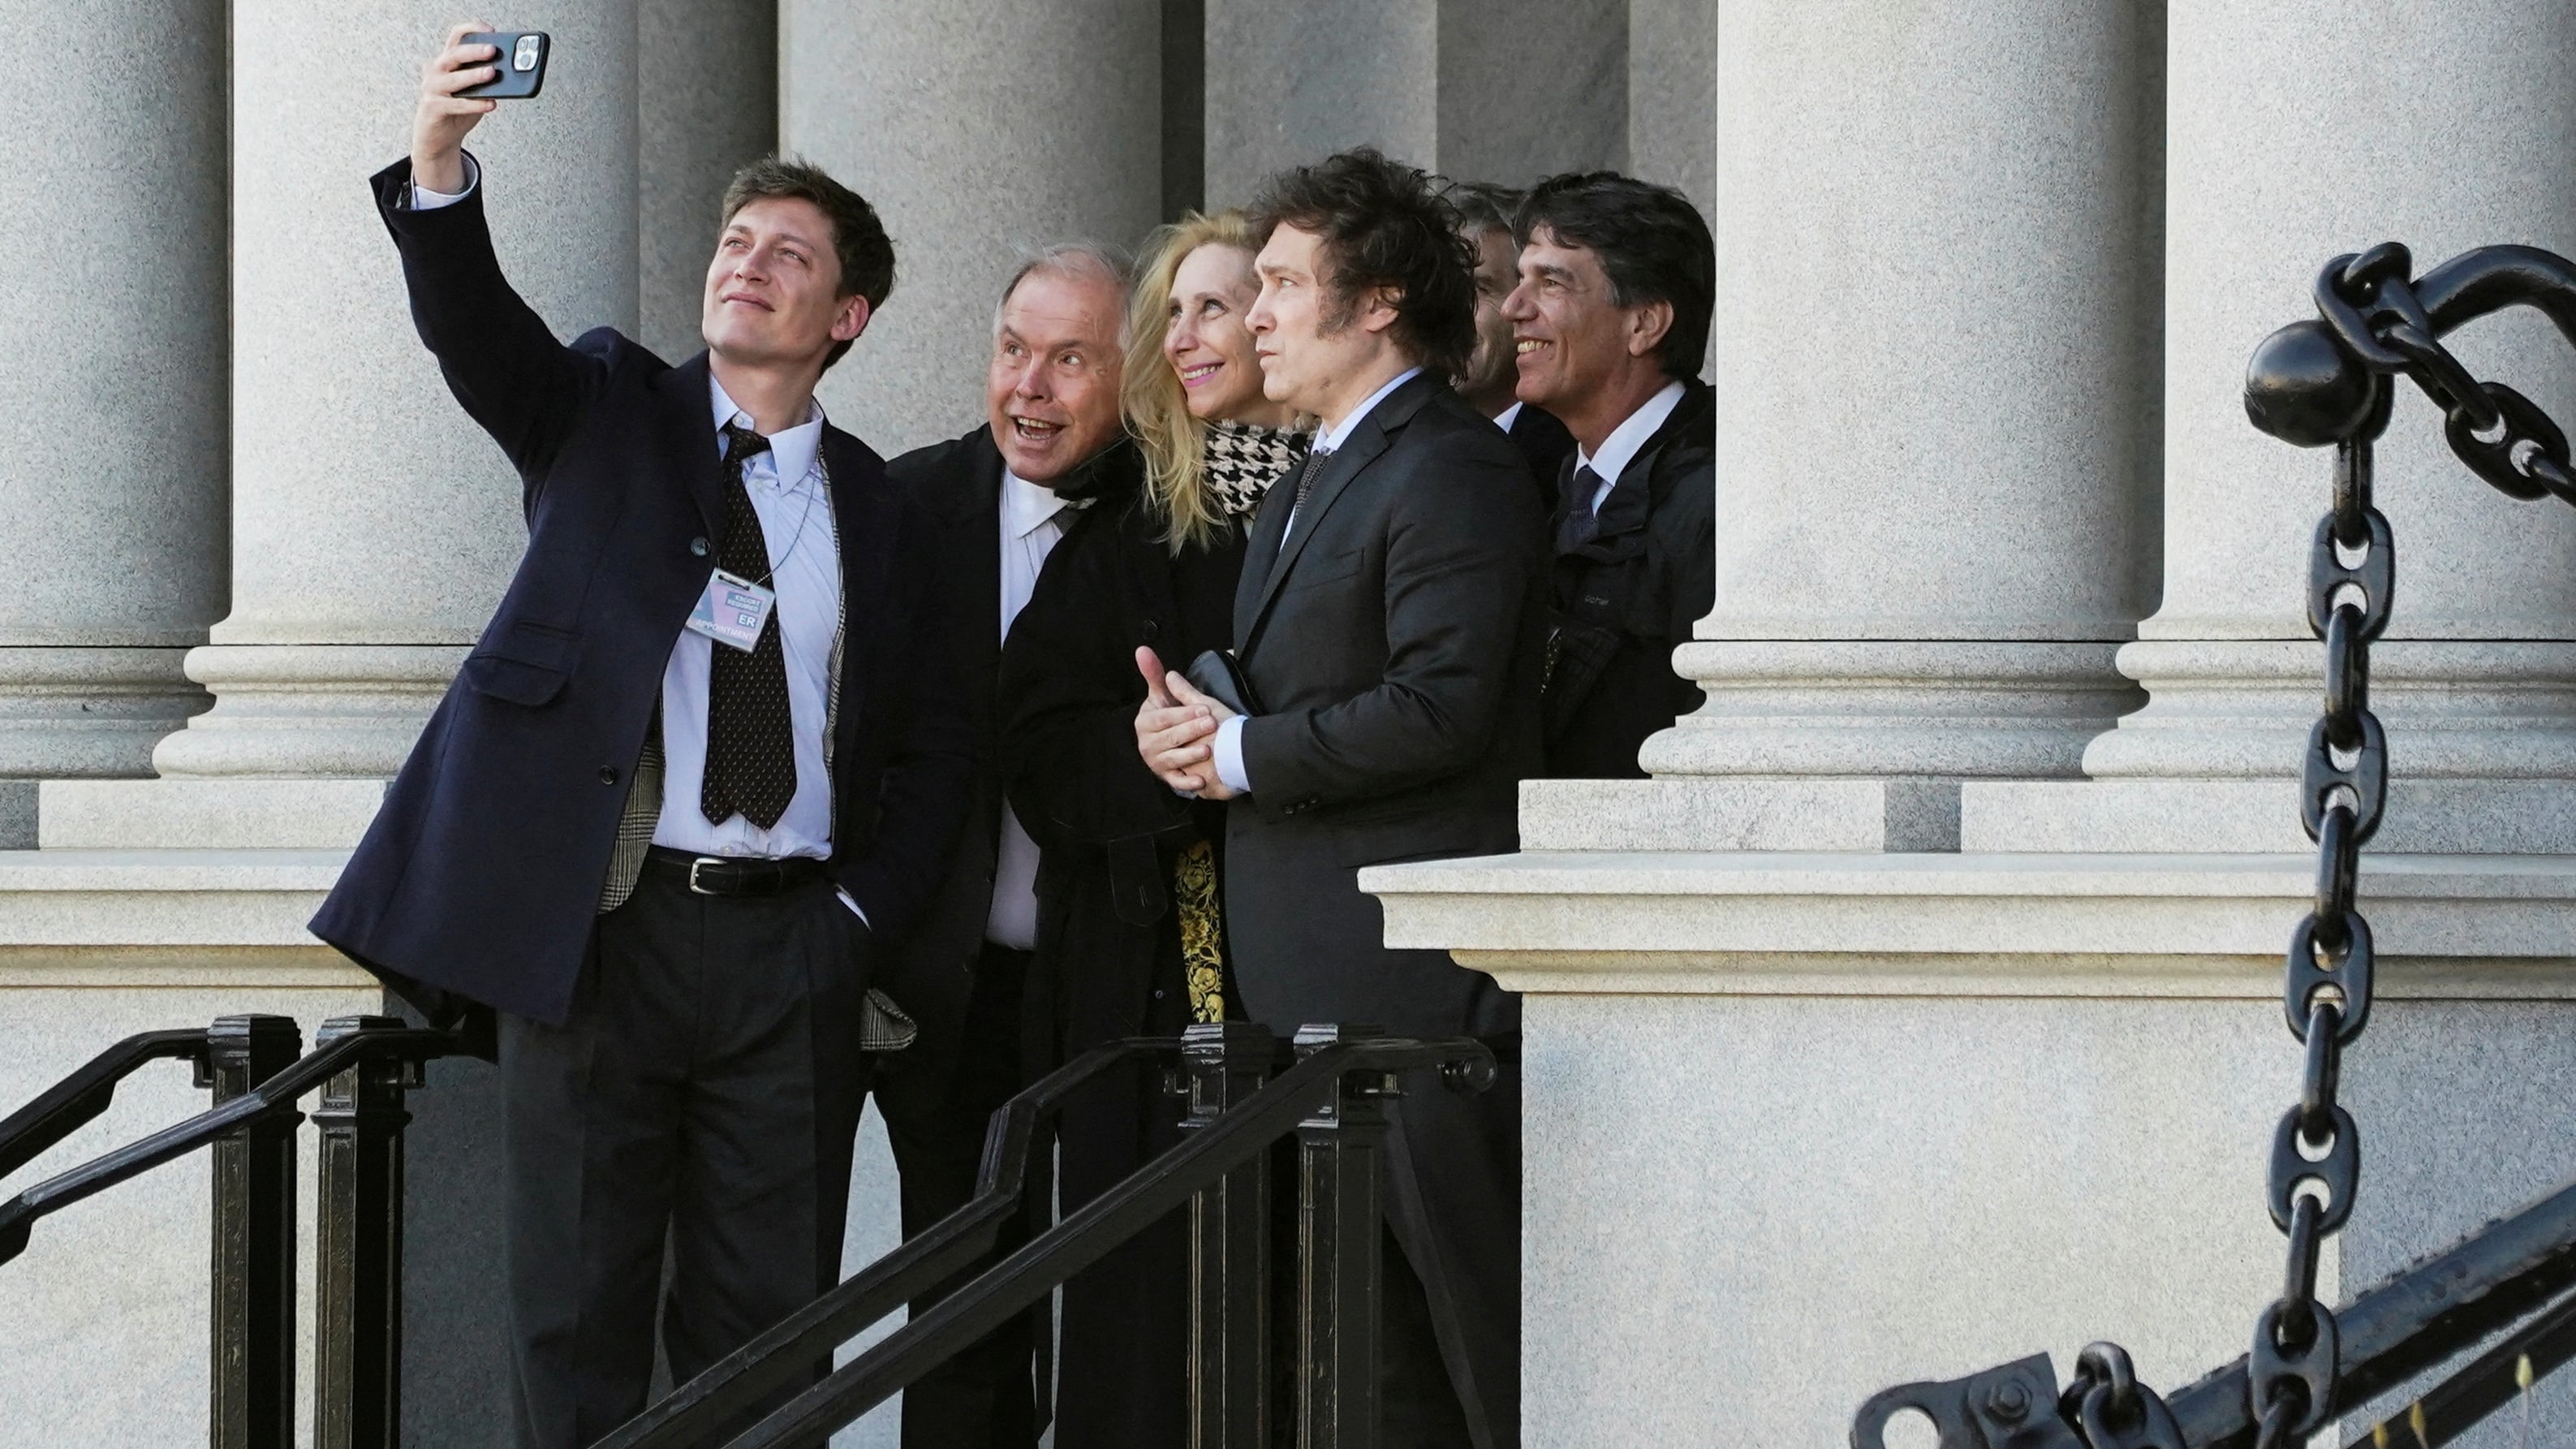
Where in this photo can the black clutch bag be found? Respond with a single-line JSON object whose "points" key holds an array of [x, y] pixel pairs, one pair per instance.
{"points": [[1217, 675]]}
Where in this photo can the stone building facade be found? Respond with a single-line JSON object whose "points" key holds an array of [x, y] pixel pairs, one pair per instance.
{"points": [[1915, 1016]]}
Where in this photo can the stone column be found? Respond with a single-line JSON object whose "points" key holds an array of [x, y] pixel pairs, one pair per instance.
{"points": [[112, 421], [1672, 95], [1287, 84], [1929, 356], [706, 95], [2294, 138], [978, 130], [374, 525], [1503, 118]]}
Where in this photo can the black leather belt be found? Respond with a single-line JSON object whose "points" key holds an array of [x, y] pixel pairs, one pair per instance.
{"points": [[733, 875]]}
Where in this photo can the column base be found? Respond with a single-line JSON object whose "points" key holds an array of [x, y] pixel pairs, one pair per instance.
{"points": [[2242, 708], [1906, 708], [85, 713], [308, 711]]}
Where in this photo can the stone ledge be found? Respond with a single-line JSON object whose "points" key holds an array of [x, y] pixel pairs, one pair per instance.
{"points": [[1716, 813], [248, 814], [2183, 816], [1977, 924], [177, 902]]}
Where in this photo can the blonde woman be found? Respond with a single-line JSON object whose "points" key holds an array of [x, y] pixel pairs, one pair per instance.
{"points": [[1130, 937]]}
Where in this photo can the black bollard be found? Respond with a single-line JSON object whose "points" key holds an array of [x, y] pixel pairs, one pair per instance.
{"points": [[251, 1359], [357, 1351], [1341, 1174], [1229, 1249]]}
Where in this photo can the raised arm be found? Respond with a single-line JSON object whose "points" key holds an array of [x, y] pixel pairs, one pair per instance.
{"points": [[502, 362]]}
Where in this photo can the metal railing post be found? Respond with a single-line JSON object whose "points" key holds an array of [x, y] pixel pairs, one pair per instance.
{"points": [[251, 1342], [1229, 1249], [1341, 1164], [357, 1348]]}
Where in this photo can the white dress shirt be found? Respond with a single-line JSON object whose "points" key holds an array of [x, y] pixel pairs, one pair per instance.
{"points": [[1229, 735], [1033, 518], [1625, 439], [1509, 415]]}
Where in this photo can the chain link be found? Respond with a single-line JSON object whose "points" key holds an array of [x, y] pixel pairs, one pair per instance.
{"points": [[2113, 1409]]}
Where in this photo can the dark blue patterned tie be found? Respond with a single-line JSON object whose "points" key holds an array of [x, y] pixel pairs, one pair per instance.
{"points": [[751, 742], [1582, 511]]}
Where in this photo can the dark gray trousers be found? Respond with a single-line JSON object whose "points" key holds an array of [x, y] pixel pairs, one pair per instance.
{"points": [[708, 1083]]}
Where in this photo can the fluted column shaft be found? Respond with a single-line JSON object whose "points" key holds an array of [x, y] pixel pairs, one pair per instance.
{"points": [[1929, 353], [2296, 135], [978, 130], [112, 406], [374, 525]]}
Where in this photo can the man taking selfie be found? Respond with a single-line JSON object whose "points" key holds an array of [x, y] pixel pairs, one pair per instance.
{"points": [[693, 771]]}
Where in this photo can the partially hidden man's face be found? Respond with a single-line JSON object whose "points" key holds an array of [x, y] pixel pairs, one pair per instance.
{"points": [[1490, 367], [1309, 347], [1569, 338], [1204, 337], [1052, 393], [771, 296]]}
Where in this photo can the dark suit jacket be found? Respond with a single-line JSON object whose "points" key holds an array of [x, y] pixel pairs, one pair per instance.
{"points": [[481, 874], [1628, 597], [1395, 651], [959, 483], [1545, 445], [1395, 643]]}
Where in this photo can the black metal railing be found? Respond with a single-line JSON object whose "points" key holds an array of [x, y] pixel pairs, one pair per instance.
{"points": [[362, 1066], [1245, 1090], [2331, 381], [1331, 1096]]}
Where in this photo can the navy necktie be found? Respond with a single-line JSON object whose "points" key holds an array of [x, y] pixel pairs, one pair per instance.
{"points": [[1582, 511]]}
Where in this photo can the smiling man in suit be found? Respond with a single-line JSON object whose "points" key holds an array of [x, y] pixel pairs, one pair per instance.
{"points": [[1389, 622], [697, 765]]}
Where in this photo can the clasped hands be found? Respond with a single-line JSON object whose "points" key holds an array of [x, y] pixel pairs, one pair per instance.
{"points": [[1176, 731]]}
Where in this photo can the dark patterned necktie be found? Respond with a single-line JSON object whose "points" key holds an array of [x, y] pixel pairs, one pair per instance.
{"points": [[1582, 511], [1305, 485], [751, 745]]}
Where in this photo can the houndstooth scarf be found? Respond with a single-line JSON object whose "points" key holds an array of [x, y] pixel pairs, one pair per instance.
{"points": [[1244, 459]]}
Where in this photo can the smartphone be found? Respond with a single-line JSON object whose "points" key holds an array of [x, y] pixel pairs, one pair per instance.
{"points": [[522, 60]]}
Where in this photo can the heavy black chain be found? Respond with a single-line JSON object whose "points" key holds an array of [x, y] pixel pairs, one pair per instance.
{"points": [[2369, 303]]}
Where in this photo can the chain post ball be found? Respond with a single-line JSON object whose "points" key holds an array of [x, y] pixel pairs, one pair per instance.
{"points": [[2303, 389]]}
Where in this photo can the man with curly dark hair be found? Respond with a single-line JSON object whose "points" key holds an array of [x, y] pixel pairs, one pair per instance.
{"points": [[1388, 626]]}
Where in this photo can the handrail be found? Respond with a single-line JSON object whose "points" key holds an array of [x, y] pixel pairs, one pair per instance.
{"points": [[2416, 1319], [271, 1099], [1243, 1133], [2419, 1317], [780, 1353], [78, 1099]]}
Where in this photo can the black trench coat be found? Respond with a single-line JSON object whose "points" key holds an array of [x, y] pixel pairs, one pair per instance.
{"points": [[1108, 960]]}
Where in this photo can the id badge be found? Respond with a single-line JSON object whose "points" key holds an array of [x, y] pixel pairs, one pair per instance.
{"points": [[732, 610]]}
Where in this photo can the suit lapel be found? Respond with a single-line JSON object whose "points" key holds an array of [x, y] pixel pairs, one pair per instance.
{"points": [[692, 416], [1347, 462]]}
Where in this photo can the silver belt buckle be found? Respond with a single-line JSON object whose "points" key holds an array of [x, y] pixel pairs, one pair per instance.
{"points": [[694, 865]]}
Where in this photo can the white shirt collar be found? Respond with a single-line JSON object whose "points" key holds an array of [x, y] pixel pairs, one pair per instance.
{"points": [[1509, 416], [1026, 506], [791, 450], [1332, 441], [1629, 436]]}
